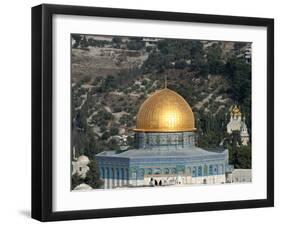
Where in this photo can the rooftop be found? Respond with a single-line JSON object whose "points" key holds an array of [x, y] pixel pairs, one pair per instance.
{"points": [[159, 153]]}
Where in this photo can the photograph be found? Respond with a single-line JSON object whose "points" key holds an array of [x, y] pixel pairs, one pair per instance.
{"points": [[137, 113], [147, 112], [150, 112]]}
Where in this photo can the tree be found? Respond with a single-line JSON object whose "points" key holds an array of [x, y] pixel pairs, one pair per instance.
{"points": [[235, 143], [157, 62], [84, 42], [239, 45], [199, 64], [102, 118], [239, 74], [178, 49], [148, 49], [108, 84], [105, 135], [114, 131], [241, 157], [215, 62], [93, 175], [180, 64], [245, 157], [79, 120], [76, 180], [135, 45], [77, 38], [126, 120], [113, 144]]}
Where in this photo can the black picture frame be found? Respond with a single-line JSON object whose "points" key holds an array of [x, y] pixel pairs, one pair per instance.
{"points": [[42, 107]]}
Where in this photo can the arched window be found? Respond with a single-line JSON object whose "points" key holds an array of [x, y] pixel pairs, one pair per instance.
{"points": [[169, 140], [191, 139], [210, 170], [141, 172], [181, 139], [157, 139], [194, 173], [157, 171], [180, 169], [199, 171], [174, 171], [176, 140], [215, 169], [146, 139], [133, 173], [166, 171], [148, 171]]}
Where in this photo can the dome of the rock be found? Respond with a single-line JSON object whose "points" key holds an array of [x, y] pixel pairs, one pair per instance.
{"points": [[165, 111]]}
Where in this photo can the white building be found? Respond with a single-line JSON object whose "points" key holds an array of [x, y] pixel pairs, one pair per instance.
{"points": [[237, 124], [83, 187], [80, 165], [150, 41], [240, 176], [164, 152]]}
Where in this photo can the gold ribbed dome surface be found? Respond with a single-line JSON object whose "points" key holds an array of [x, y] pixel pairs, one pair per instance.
{"points": [[165, 111], [235, 111]]}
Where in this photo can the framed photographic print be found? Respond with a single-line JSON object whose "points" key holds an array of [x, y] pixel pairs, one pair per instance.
{"points": [[146, 112]]}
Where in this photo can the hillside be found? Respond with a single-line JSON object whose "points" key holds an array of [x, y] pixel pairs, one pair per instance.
{"points": [[112, 77]]}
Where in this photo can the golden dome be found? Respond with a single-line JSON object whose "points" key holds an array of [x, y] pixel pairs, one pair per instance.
{"points": [[235, 111], [165, 111]]}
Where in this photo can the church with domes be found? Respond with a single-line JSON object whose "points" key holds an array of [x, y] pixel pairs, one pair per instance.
{"points": [[165, 152], [236, 123]]}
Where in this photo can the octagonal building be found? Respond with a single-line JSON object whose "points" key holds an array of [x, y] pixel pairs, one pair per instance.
{"points": [[165, 153]]}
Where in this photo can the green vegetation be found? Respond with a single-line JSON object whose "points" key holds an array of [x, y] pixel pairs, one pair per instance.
{"points": [[211, 129], [126, 120], [239, 156], [84, 42], [214, 60], [77, 39], [92, 176], [76, 180], [113, 131], [135, 45], [102, 118], [175, 54], [207, 75], [81, 41]]}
